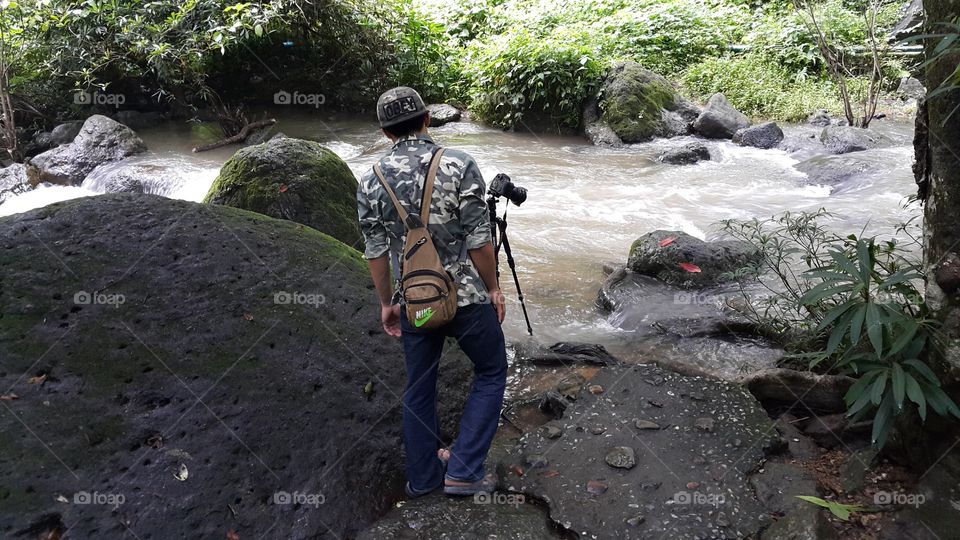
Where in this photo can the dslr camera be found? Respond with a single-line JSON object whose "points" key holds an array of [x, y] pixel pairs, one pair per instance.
{"points": [[501, 186]]}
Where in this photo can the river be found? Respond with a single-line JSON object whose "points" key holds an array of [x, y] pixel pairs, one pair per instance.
{"points": [[586, 204]]}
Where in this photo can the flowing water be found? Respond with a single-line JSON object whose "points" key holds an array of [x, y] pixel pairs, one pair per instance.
{"points": [[586, 204]]}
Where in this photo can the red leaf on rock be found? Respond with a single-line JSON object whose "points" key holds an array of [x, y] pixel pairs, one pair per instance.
{"points": [[283, 188], [551, 473], [247, 317], [690, 267], [516, 469], [232, 535], [9, 397], [667, 241]]}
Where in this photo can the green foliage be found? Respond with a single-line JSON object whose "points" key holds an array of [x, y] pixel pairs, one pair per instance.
{"points": [[424, 57], [519, 74], [842, 511], [759, 87], [853, 306]]}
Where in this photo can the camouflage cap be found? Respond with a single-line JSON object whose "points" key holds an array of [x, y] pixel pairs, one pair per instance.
{"points": [[399, 104]]}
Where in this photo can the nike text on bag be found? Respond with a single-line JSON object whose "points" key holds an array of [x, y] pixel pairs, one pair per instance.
{"points": [[428, 290]]}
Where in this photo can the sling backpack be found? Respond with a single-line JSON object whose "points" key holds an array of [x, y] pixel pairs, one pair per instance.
{"points": [[428, 290]]}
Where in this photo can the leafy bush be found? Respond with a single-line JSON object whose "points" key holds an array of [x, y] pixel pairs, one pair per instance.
{"points": [[758, 87], [852, 306], [520, 74], [423, 55]]}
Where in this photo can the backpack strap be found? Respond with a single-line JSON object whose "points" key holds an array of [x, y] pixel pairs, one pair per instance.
{"points": [[404, 215], [428, 187]]}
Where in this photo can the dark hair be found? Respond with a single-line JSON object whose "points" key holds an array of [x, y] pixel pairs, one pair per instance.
{"points": [[407, 127]]}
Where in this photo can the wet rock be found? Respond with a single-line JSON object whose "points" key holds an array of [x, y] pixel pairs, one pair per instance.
{"points": [[260, 136], [138, 120], [910, 23], [100, 140], [166, 302], [601, 134], [636, 520], [563, 353], [639, 105], [65, 132], [783, 389], [777, 486], [846, 139], [821, 118], [833, 170], [853, 475], [436, 517], [798, 445], [671, 510], [687, 261], [832, 430], [13, 181], [704, 424], [442, 113], [646, 424], [149, 178], [946, 273], [621, 457], [292, 179], [553, 404], [719, 119], [687, 154], [570, 386], [766, 136], [911, 88], [551, 431]]}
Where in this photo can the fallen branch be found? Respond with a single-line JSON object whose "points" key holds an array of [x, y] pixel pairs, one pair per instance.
{"points": [[239, 137]]}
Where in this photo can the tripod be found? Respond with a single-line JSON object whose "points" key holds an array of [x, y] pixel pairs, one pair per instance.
{"points": [[505, 243]]}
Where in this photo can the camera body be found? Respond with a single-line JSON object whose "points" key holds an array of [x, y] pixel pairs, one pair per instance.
{"points": [[502, 186]]}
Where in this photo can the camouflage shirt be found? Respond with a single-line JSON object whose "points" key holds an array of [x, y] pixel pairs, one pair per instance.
{"points": [[458, 214]]}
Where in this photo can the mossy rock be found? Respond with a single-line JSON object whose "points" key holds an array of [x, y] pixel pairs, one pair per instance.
{"points": [[639, 105], [292, 179], [169, 332]]}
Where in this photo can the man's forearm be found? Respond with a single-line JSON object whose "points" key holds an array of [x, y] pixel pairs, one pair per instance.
{"points": [[380, 271], [485, 261]]}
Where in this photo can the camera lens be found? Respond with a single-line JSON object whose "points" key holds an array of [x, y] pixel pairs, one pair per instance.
{"points": [[517, 194]]}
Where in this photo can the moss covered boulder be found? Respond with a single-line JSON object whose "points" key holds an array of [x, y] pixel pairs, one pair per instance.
{"points": [[639, 105], [292, 179], [179, 370], [676, 258]]}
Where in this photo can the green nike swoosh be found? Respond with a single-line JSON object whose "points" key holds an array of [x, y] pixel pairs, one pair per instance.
{"points": [[423, 320]]}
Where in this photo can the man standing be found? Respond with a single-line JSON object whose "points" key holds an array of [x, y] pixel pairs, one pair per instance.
{"points": [[459, 225]]}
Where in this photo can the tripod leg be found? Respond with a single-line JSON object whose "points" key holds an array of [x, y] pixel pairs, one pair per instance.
{"points": [[513, 269]]}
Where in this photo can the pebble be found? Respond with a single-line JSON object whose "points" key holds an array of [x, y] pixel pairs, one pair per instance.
{"points": [[621, 457], [595, 389], [551, 431], [646, 424], [703, 424], [597, 430], [699, 460], [537, 460], [596, 487], [636, 520], [693, 485]]}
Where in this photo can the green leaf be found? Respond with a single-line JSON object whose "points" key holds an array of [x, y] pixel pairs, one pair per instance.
{"points": [[856, 324], [840, 510], [874, 328], [863, 255], [835, 313], [881, 422], [844, 263], [915, 393], [923, 370], [899, 385], [258, 30], [879, 385]]}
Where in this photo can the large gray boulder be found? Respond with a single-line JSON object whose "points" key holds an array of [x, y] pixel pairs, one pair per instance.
{"points": [[846, 139], [911, 88], [767, 135], [910, 23], [720, 119], [292, 179], [832, 170], [694, 440], [687, 154], [100, 140], [676, 258], [13, 181], [196, 363], [442, 113], [639, 105], [149, 178]]}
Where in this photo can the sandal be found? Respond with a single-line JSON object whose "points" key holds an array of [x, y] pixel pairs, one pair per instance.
{"points": [[415, 493], [487, 484]]}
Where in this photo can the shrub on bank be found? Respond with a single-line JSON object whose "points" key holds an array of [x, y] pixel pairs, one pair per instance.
{"points": [[760, 88]]}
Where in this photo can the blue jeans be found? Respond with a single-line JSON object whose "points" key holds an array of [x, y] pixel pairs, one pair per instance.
{"points": [[478, 332]]}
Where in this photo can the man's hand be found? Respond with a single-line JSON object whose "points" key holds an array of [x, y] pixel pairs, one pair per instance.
{"points": [[390, 317], [499, 303]]}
